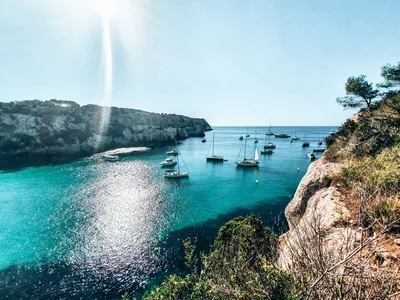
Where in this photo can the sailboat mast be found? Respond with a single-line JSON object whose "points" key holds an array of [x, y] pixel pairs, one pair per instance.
{"points": [[177, 158], [213, 142], [244, 156]]}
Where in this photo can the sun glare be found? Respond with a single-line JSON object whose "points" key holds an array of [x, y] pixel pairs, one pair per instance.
{"points": [[107, 9]]}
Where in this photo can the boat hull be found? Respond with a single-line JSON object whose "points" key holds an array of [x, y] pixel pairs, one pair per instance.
{"points": [[169, 164], [176, 174], [268, 151], [215, 158], [319, 150], [246, 164]]}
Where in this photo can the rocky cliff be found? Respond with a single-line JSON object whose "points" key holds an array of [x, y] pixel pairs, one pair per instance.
{"points": [[316, 209], [64, 128]]}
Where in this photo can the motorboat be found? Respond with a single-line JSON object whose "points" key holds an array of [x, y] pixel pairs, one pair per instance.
{"points": [[311, 155], [169, 162], [282, 135], [305, 144], [319, 149], [203, 140], [107, 157], [241, 138], [173, 152]]}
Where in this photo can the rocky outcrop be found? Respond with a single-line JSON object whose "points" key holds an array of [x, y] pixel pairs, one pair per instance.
{"points": [[313, 213], [64, 128], [317, 178]]}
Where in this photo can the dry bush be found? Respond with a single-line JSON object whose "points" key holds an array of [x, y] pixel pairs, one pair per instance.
{"points": [[332, 263]]}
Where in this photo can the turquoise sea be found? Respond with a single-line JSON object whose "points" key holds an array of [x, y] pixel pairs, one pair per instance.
{"points": [[94, 229]]}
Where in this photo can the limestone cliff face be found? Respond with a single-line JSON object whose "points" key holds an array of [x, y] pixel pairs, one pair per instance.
{"points": [[65, 128], [316, 204]]}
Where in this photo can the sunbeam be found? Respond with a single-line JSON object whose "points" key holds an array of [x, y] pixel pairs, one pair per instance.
{"points": [[108, 79]]}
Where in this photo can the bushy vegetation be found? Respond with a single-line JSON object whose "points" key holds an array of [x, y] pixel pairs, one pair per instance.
{"points": [[241, 266]]}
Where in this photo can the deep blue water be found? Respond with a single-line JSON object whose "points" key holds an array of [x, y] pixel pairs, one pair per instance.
{"points": [[94, 229]]}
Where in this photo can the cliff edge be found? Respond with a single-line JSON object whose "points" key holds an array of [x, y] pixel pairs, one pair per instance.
{"points": [[64, 128]]}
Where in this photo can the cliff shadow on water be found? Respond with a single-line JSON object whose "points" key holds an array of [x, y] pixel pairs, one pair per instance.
{"points": [[83, 280]]}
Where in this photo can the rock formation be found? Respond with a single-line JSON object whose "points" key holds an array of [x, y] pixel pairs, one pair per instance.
{"points": [[58, 128]]}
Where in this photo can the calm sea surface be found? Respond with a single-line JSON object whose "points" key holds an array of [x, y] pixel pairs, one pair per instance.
{"points": [[93, 229]]}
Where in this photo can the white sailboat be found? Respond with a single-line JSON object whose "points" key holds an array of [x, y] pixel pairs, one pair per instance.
{"points": [[176, 173], [269, 131], [248, 162], [213, 157]]}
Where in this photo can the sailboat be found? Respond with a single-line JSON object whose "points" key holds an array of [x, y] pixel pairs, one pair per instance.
{"points": [[267, 146], [255, 137], [319, 139], [269, 131], [305, 144], [248, 162], [295, 137], [176, 173], [214, 157]]}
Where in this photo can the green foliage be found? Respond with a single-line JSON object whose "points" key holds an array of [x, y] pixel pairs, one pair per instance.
{"points": [[359, 93], [391, 74], [373, 131], [191, 259], [379, 180], [241, 266]]}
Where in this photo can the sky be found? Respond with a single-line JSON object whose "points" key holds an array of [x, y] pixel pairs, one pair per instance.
{"points": [[232, 62]]}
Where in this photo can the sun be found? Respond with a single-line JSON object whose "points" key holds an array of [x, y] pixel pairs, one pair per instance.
{"points": [[107, 9]]}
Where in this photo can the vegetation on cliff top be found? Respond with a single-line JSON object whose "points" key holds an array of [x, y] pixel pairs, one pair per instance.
{"points": [[243, 265]]}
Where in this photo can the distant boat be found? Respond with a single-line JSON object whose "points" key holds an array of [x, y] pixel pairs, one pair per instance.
{"points": [[107, 157], [176, 173], [169, 162], [203, 140], [213, 157], [267, 151], [241, 138], [255, 137], [305, 144], [319, 149], [248, 162], [247, 135], [269, 131], [295, 137], [282, 135], [268, 146], [173, 152], [319, 139], [311, 155]]}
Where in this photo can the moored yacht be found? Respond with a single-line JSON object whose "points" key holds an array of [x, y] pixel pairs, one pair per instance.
{"points": [[173, 152], [248, 162], [169, 162], [107, 157], [214, 157]]}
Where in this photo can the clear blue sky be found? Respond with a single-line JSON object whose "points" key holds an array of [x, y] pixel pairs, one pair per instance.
{"points": [[233, 62]]}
